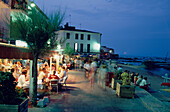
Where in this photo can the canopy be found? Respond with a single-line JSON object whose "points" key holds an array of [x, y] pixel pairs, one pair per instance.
{"points": [[10, 51]]}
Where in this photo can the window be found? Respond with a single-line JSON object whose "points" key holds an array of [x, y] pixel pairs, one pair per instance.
{"points": [[68, 35], [75, 47], [88, 37], [82, 36], [76, 36], [88, 48], [81, 47]]}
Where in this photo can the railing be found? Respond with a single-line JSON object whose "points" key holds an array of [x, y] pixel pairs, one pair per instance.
{"points": [[19, 4], [16, 4]]}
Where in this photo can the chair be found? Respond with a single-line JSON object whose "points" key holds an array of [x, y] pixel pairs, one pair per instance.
{"points": [[54, 83], [64, 81]]}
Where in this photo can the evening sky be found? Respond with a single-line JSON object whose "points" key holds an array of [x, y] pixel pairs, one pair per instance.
{"points": [[131, 27]]}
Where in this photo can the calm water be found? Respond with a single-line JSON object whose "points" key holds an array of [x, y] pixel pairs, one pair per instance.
{"points": [[159, 71]]}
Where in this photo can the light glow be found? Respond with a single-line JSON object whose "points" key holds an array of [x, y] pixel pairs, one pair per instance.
{"points": [[76, 46], [21, 43], [56, 56], [58, 46], [96, 46], [32, 5]]}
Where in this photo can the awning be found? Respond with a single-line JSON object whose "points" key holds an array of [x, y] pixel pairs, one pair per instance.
{"points": [[14, 52]]}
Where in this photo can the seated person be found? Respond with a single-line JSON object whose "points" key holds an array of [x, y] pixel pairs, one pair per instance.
{"points": [[21, 79], [53, 76], [124, 74], [139, 80], [41, 78], [132, 76], [143, 84], [136, 77], [14, 74], [63, 74]]}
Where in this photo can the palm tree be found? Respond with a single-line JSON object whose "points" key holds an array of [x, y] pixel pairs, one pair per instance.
{"points": [[38, 32]]}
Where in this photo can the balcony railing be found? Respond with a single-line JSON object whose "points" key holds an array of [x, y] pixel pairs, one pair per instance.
{"points": [[19, 4]]}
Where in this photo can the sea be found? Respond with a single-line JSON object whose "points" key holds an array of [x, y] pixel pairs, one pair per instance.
{"points": [[137, 61]]}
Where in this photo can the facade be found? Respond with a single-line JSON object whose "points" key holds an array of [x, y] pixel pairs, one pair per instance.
{"points": [[7, 9], [82, 41], [108, 53]]}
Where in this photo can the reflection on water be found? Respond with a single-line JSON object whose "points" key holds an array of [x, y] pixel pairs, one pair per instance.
{"points": [[159, 71]]}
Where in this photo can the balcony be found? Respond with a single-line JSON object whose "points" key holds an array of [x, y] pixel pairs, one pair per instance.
{"points": [[19, 6]]}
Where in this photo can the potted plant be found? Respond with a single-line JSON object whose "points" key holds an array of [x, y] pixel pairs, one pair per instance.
{"points": [[116, 78], [12, 99], [125, 89]]}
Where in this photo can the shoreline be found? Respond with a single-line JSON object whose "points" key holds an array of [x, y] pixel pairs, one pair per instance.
{"points": [[154, 79]]}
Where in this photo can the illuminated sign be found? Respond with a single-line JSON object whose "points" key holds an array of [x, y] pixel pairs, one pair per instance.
{"points": [[21, 43]]}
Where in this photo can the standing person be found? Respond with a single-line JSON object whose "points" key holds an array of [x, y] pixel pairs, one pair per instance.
{"points": [[103, 73], [93, 67], [87, 69], [80, 64], [75, 63]]}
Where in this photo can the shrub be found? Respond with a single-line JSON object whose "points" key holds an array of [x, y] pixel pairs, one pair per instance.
{"points": [[8, 93]]}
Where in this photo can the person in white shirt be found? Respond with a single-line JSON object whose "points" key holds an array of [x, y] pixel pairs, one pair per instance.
{"points": [[63, 74], [41, 77], [143, 84], [21, 79], [76, 64], [87, 69], [93, 67]]}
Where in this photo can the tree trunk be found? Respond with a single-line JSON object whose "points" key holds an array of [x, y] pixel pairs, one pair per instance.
{"points": [[35, 80]]}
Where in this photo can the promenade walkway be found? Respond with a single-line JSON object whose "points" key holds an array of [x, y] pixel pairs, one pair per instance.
{"points": [[79, 97]]}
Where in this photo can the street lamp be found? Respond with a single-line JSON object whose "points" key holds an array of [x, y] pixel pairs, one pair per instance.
{"points": [[32, 5]]}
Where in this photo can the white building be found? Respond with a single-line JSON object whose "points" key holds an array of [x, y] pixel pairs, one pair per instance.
{"points": [[82, 41], [7, 9]]}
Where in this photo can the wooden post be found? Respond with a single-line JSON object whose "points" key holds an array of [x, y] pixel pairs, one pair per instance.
{"points": [[57, 62], [50, 64]]}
